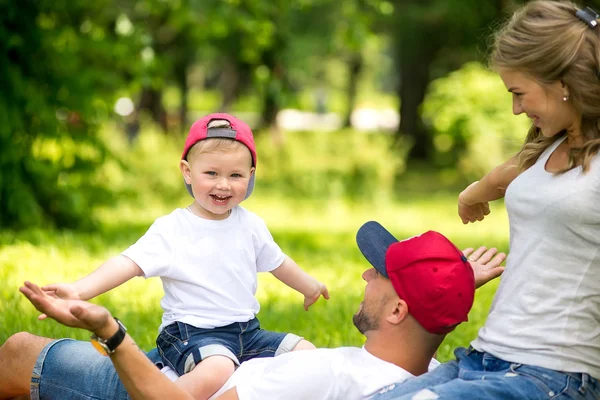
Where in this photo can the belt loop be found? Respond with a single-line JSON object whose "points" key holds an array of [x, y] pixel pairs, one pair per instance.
{"points": [[584, 383]]}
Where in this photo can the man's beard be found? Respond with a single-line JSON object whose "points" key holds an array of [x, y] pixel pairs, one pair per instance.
{"points": [[364, 322]]}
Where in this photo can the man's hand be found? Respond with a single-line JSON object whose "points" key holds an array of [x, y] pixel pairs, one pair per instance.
{"points": [[310, 300], [485, 263], [62, 291], [73, 313]]}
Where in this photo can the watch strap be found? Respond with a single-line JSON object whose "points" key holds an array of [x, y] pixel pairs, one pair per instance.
{"points": [[108, 346], [115, 340]]}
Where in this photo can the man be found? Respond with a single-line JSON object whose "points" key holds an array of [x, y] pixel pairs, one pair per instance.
{"points": [[418, 290]]}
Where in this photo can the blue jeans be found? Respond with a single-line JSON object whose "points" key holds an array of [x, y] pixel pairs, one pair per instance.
{"points": [[477, 375], [183, 346], [73, 370]]}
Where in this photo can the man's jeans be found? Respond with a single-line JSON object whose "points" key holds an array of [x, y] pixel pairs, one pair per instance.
{"points": [[476, 375]]}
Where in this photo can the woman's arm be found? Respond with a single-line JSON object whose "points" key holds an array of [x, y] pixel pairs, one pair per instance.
{"points": [[493, 185], [473, 201]]}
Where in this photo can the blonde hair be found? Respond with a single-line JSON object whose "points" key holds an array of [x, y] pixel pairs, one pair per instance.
{"points": [[546, 40]]}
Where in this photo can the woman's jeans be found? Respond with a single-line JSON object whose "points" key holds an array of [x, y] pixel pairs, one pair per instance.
{"points": [[477, 375]]}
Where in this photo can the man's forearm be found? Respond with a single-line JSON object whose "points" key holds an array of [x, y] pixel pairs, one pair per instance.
{"points": [[140, 377]]}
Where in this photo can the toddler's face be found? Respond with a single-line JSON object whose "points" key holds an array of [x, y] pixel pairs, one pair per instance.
{"points": [[219, 180]]}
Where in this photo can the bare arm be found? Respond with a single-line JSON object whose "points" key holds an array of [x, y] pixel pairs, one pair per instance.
{"points": [[107, 276], [492, 186], [473, 201], [139, 376], [293, 276]]}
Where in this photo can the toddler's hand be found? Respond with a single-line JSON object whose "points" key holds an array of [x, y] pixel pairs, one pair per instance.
{"points": [[310, 300], [66, 291]]}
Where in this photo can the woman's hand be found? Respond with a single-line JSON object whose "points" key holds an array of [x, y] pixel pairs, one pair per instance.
{"points": [[470, 211]]}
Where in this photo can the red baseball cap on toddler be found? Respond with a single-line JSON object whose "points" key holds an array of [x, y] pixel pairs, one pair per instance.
{"points": [[427, 271], [239, 131]]}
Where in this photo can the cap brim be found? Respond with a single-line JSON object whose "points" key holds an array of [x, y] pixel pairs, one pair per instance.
{"points": [[373, 240]]}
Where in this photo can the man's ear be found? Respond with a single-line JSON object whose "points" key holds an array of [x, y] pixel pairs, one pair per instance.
{"points": [[184, 166], [399, 312]]}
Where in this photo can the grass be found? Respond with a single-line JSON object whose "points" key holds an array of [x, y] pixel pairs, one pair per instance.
{"points": [[319, 235]]}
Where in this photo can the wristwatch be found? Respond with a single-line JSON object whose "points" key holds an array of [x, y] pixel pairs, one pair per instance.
{"points": [[108, 346]]}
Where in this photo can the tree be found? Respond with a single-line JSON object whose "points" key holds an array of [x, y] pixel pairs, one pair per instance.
{"points": [[431, 39], [58, 60]]}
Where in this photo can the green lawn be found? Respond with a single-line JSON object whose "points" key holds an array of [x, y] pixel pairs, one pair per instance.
{"points": [[319, 235]]}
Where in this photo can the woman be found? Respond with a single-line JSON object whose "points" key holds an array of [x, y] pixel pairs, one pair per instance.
{"points": [[542, 337]]}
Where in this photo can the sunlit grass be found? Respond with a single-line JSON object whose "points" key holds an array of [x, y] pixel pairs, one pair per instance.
{"points": [[319, 235]]}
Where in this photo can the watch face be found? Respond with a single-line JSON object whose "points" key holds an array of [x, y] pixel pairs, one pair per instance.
{"points": [[100, 347]]}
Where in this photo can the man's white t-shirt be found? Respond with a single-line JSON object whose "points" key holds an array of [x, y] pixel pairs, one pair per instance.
{"points": [[208, 268], [344, 373]]}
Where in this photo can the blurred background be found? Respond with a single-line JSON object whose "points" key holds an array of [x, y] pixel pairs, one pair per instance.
{"points": [[362, 109]]}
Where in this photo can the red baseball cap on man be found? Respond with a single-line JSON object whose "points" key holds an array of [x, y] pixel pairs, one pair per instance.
{"points": [[238, 130], [427, 271]]}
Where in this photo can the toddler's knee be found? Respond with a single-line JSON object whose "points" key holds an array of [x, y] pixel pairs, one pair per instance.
{"points": [[219, 365], [304, 345]]}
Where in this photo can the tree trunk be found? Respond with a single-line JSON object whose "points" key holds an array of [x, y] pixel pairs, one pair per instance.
{"points": [[182, 82], [414, 79], [417, 44], [151, 100], [355, 66], [229, 82], [274, 88]]}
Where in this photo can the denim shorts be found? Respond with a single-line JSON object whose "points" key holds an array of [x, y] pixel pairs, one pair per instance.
{"points": [[183, 346], [69, 369], [476, 375]]}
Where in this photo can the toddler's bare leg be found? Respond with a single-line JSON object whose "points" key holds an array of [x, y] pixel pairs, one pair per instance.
{"points": [[304, 345], [17, 359], [207, 377]]}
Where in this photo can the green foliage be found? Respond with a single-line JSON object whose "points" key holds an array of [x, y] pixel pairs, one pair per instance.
{"points": [[145, 172], [312, 165], [49, 105], [325, 165], [470, 113]]}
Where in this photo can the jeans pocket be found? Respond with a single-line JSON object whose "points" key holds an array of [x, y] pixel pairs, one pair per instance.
{"points": [[176, 332], [174, 336], [592, 391], [551, 383]]}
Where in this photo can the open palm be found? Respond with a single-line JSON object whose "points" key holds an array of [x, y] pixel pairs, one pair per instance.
{"points": [[73, 313]]}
